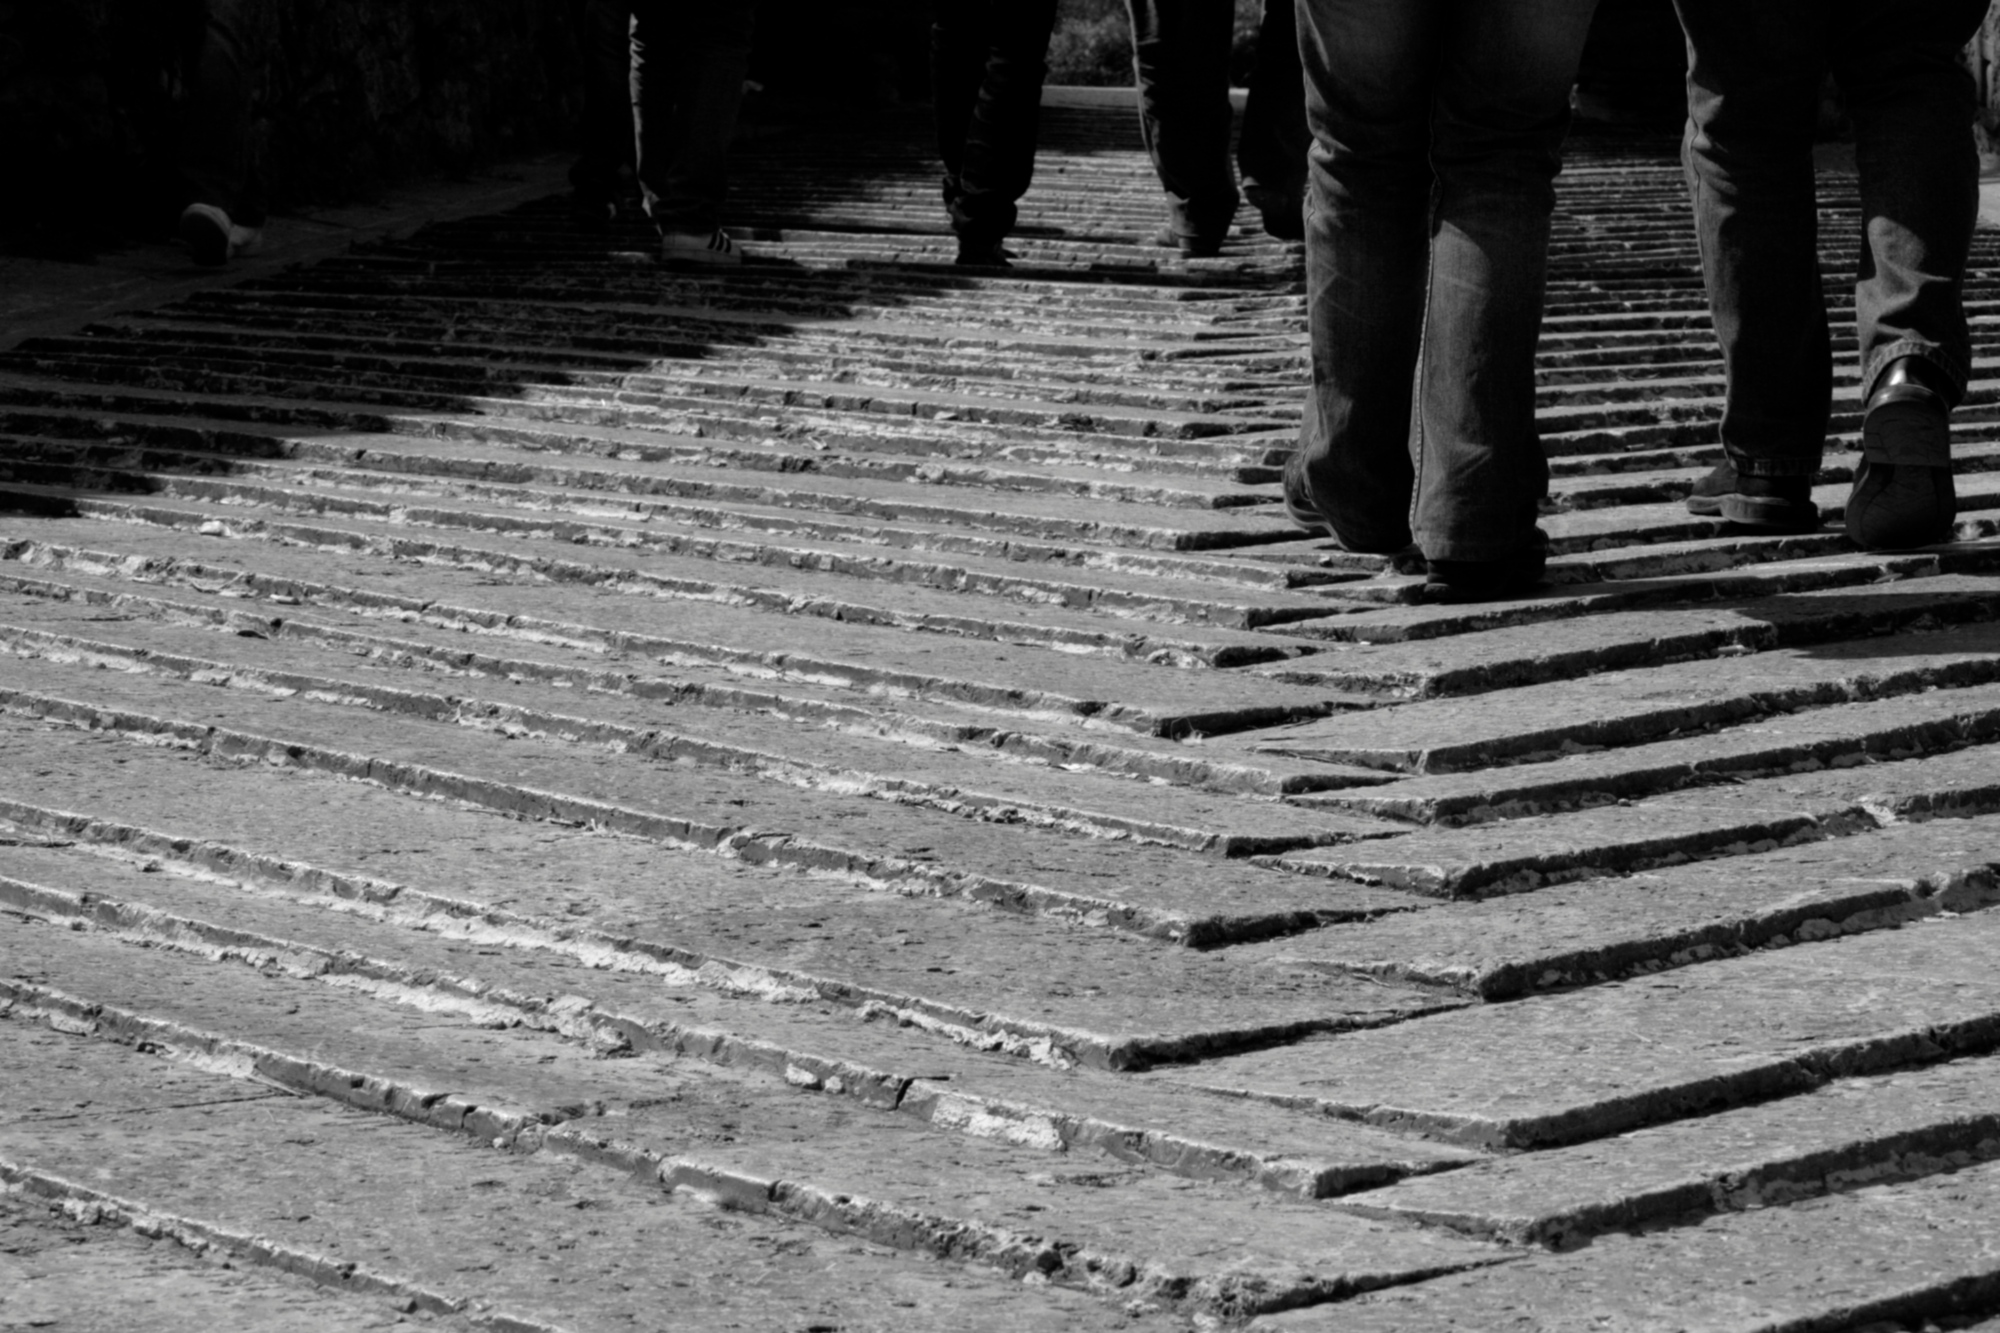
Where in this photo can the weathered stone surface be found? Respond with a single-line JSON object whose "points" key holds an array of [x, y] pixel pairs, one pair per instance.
{"points": [[1568, 934], [1887, 1253], [1642, 1052], [1849, 1134]]}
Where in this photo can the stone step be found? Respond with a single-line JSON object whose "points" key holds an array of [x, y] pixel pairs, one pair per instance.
{"points": [[1571, 932], [1083, 1000], [1644, 1052], [1864, 1131], [1152, 891], [1494, 649], [368, 1207], [1643, 704], [1882, 1256], [1128, 1229], [400, 581], [564, 656]]}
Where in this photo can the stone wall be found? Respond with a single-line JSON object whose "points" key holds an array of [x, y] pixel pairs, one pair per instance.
{"points": [[350, 96]]}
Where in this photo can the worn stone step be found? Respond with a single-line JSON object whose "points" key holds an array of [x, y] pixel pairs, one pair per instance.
{"points": [[363, 1204], [1905, 1125], [1841, 736], [565, 656], [1578, 932], [1152, 891], [978, 786], [1504, 653], [950, 1195], [875, 659], [1630, 1054], [658, 983], [1643, 704], [66, 1269], [1883, 1256]]}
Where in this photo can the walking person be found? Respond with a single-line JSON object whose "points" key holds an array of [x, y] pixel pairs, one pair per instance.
{"points": [[1437, 130], [1754, 80], [1180, 55], [988, 60], [1272, 145], [663, 82]]}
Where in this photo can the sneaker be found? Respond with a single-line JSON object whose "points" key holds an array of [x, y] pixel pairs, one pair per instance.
{"points": [[1516, 575], [693, 247], [1903, 492], [1775, 504], [212, 238], [1192, 246]]}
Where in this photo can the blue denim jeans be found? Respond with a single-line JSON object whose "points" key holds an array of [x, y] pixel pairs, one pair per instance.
{"points": [[687, 65], [1754, 78], [988, 58], [1437, 129], [1180, 53]]}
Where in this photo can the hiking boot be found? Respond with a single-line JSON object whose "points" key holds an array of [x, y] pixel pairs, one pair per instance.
{"points": [[212, 238], [1903, 493]]}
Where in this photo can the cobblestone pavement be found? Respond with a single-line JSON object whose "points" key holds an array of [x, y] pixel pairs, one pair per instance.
{"points": [[542, 791]]}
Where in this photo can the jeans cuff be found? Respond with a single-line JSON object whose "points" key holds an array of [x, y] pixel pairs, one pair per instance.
{"points": [[1798, 465], [1957, 374]]}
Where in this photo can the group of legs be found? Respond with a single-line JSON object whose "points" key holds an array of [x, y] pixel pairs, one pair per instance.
{"points": [[988, 58], [1437, 127], [663, 83]]}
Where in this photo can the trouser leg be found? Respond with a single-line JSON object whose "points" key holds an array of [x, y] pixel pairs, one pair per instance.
{"points": [[1180, 53]]}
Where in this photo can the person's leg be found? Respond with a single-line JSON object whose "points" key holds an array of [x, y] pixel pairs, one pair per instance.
{"points": [[1370, 71], [1754, 78], [1271, 150], [604, 45], [1912, 103], [999, 148], [688, 63], [226, 195], [1180, 53], [1502, 109], [958, 62]]}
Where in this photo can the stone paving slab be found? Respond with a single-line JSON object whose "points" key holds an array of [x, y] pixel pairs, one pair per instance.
{"points": [[1557, 645], [1641, 704], [1849, 1134], [1635, 1053], [578, 658], [1595, 929], [1024, 678], [658, 994], [979, 785], [1907, 1251], [72, 1276], [953, 1195], [1152, 891], [543, 1240]]}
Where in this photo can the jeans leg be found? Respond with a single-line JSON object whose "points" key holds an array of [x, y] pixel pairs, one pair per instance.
{"points": [[688, 63], [1501, 111], [1754, 75], [1370, 68], [958, 62], [1912, 104], [214, 152], [999, 148], [604, 44], [1180, 53], [1271, 150]]}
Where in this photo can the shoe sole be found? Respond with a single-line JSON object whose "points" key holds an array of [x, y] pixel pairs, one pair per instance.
{"points": [[1771, 514]]}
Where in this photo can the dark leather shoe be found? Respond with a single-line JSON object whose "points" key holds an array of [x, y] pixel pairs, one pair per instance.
{"points": [[982, 254], [1903, 492], [1301, 509], [1516, 575]]}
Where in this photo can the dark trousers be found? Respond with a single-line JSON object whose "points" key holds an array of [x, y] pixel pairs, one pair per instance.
{"points": [[1272, 145], [988, 58], [663, 82], [1753, 95], [1180, 52], [1437, 129]]}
